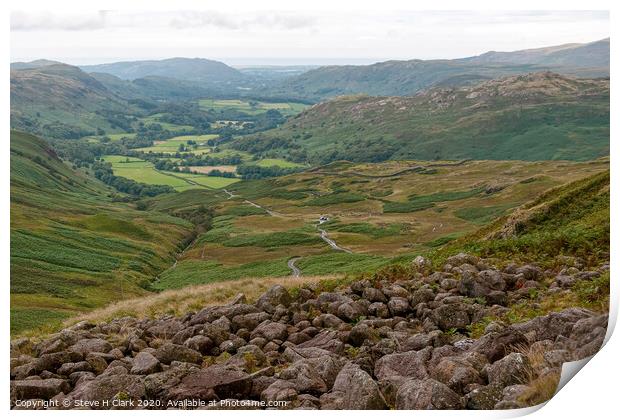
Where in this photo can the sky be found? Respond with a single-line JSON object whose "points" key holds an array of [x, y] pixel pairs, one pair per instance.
{"points": [[292, 37]]}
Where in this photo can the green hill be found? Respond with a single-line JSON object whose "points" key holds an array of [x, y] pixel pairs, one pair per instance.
{"points": [[62, 101], [72, 247], [398, 78], [573, 219], [538, 116], [197, 69]]}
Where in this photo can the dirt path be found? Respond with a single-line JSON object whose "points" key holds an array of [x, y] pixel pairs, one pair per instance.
{"points": [[330, 241], [270, 212], [230, 195], [291, 264]]}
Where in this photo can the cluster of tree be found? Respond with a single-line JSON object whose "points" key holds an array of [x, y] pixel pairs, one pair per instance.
{"points": [[249, 171], [206, 160], [117, 119], [185, 113], [223, 174], [260, 144], [103, 172]]}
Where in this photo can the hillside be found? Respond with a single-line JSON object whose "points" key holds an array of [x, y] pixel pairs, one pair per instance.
{"points": [[194, 69], [591, 56], [538, 116], [62, 101], [572, 219], [399, 78], [73, 248], [456, 331]]}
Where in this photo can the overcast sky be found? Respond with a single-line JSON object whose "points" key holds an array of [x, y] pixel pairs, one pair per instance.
{"points": [[308, 37]]}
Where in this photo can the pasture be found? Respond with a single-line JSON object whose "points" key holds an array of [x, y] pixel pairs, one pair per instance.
{"points": [[251, 107], [382, 213], [172, 145], [144, 171]]}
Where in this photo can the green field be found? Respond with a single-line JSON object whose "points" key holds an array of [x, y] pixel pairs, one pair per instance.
{"points": [[143, 171], [172, 145], [252, 107]]}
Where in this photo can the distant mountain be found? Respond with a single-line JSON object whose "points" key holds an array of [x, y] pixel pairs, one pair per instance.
{"points": [[20, 65], [591, 55], [398, 78], [195, 69], [62, 101], [538, 116]]}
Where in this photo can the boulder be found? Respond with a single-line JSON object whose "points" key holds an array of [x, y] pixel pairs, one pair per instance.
{"points": [[326, 340], [159, 384], [276, 295], [144, 364], [214, 382], [38, 388], [484, 397], [271, 331], [354, 389], [169, 353], [399, 367], [199, 343], [91, 345], [279, 390], [427, 394], [511, 370], [374, 295], [106, 388], [305, 377], [454, 315], [496, 345], [398, 306]]}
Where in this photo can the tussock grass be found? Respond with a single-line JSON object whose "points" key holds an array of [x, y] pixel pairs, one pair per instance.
{"points": [[542, 383]]}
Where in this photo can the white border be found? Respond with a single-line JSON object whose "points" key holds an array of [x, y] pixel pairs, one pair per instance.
{"points": [[591, 394]]}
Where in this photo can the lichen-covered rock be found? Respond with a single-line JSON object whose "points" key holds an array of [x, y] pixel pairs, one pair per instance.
{"points": [[305, 377], [276, 295], [354, 389], [91, 345], [399, 367], [38, 388], [214, 382], [169, 353], [427, 394], [511, 370], [106, 388], [144, 364]]}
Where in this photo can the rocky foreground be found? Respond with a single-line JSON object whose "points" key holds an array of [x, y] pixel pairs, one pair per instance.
{"points": [[374, 345]]}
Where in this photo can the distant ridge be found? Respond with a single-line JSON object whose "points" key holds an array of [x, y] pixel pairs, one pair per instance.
{"points": [[195, 69]]}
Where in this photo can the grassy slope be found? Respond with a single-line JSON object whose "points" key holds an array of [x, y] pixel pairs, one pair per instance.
{"points": [[53, 100], [573, 219], [435, 208], [72, 248], [582, 206], [534, 117]]}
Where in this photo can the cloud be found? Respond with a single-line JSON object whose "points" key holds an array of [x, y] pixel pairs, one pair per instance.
{"points": [[41, 21], [267, 20], [49, 21]]}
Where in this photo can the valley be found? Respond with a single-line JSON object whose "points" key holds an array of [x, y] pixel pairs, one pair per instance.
{"points": [[142, 182], [354, 209]]}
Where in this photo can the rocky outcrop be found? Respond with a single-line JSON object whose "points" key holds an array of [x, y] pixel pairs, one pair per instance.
{"points": [[401, 343]]}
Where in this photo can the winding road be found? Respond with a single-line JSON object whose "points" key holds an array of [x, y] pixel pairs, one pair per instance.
{"points": [[332, 243], [296, 272], [291, 264]]}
